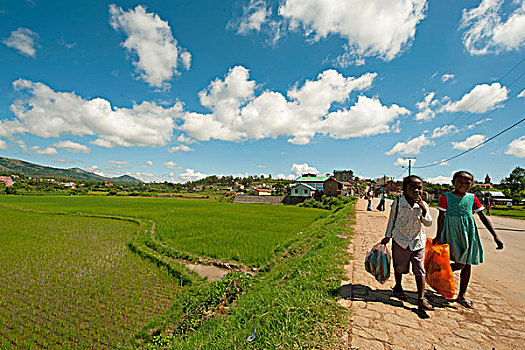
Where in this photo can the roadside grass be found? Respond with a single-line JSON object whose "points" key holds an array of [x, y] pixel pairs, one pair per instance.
{"points": [[514, 213], [245, 233], [292, 304]]}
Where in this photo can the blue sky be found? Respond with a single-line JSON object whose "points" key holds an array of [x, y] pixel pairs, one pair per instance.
{"points": [[177, 90]]}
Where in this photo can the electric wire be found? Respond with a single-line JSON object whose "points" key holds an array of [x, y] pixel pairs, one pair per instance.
{"points": [[470, 149]]}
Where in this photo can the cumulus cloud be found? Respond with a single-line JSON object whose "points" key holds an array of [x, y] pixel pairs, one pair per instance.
{"points": [[517, 147], [238, 114], [446, 77], [119, 161], [411, 147], [171, 165], [480, 99], [46, 113], [182, 148], [470, 142], [159, 56], [149, 163], [48, 151], [72, 147], [304, 168], [486, 31], [191, 175], [23, 40], [443, 131], [370, 27], [522, 94], [440, 180]]}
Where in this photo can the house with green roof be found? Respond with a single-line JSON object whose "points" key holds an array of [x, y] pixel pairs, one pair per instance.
{"points": [[326, 185]]}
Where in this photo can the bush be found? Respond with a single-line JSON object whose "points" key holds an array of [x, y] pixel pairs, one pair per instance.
{"points": [[328, 203]]}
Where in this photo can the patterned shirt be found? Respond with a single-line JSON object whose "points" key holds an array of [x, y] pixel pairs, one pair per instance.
{"points": [[408, 229]]}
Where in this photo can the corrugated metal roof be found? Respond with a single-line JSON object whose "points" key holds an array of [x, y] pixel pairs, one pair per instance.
{"points": [[312, 179]]}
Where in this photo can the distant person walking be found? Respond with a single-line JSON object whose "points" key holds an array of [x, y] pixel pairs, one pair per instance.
{"points": [[369, 197], [381, 205], [487, 202]]}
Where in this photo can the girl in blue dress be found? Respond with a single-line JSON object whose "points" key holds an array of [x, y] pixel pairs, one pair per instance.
{"points": [[456, 227]]}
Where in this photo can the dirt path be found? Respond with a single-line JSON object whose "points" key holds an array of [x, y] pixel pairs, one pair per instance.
{"points": [[379, 321]]}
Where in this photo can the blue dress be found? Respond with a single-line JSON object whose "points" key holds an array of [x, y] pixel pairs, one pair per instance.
{"points": [[460, 231]]}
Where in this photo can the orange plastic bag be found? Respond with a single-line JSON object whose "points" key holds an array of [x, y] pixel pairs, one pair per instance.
{"points": [[438, 270]]}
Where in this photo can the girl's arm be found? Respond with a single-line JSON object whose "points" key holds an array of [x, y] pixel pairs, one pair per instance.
{"points": [[389, 227], [488, 225], [441, 220]]}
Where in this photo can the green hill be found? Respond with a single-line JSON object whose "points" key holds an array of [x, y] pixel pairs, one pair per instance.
{"points": [[15, 166]]}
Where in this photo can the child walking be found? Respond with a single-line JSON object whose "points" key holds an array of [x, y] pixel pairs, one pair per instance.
{"points": [[408, 215], [457, 228]]}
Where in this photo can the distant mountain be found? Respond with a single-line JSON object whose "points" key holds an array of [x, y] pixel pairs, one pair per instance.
{"points": [[8, 165]]}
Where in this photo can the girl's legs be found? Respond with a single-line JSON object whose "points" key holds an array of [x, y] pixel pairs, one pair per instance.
{"points": [[423, 304], [464, 280], [399, 278]]}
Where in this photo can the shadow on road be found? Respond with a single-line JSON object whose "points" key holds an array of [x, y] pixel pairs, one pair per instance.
{"points": [[358, 292]]}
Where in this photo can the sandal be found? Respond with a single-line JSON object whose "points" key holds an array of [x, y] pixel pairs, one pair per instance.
{"points": [[424, 305], [468, 304], [400, 294]]}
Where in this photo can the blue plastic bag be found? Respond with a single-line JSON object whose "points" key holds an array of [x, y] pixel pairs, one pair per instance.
{"points": [[377, 262]]}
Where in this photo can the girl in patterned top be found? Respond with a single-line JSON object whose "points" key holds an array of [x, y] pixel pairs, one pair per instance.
{"points": [[457, 228], [408, 215]]}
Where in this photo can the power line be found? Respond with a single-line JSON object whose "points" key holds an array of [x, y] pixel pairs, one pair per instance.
{"points": [[470, 149]]}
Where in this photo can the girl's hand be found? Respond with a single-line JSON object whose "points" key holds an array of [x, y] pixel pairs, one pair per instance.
{"points": [[435, 241], [385, 240], [499, 244]]}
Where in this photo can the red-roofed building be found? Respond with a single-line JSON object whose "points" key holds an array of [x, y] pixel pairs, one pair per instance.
{"points": [[7, 180], [263, 192]]}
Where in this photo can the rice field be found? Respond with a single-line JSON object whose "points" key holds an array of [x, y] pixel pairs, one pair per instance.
{"points": [[71, 282], [246, 233]]}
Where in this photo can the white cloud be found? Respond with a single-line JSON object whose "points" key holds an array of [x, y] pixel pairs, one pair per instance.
{"points": [[159, 55], [405, 162], [473, 125], [171, 165], [24, 40], [487, 32], [522, 94], [191, 175], [370, 27], [3, 144], [517, 147], [119, 162], [182, 148], [94, 169], [261, 166], [114, 167], [470, 142], [426, 113], [443, 162], [72, 147], [446, 77], [237, 114], [299, 169], [286, 177], [440, 180], [149, 163], [480, 99], [46, 113], [255, 14], [443, 131], [184, 139], [48, 151], [411, 147]]}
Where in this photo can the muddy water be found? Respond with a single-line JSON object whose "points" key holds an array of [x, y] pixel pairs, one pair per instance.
{"points": [[212, 273]]}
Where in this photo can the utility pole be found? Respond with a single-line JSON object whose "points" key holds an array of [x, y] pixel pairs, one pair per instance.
{"points": [[409, 164]]}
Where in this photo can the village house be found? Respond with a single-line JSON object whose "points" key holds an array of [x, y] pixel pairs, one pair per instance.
{"points": [[326, 185], [263, 192], [7, 180], [302, 190], [486, 185]]}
